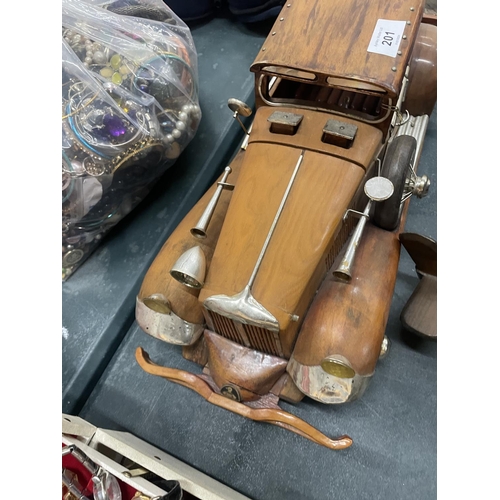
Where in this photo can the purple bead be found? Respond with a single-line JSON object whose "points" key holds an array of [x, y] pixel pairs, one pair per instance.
{"points": [[114, 125]]}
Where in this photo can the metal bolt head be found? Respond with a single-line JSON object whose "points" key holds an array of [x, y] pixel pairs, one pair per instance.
{"points": [[231, 392], [421, 186]]}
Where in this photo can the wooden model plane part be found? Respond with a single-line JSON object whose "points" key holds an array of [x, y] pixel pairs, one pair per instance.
{"points": [[279, 281]]}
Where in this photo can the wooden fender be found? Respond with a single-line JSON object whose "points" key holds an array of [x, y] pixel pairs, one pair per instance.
{"points": [[421, 93], [346, 322], [165, 308]]}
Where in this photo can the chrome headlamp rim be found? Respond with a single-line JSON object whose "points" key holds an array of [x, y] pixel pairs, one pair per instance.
{"points": [[165, 326], [316, 383]]}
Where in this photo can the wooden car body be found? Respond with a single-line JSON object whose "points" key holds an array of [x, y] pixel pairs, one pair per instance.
{"points": [[268, 317]]}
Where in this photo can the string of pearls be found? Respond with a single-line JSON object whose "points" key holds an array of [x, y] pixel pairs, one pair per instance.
{"points": [[94, 52], [188, 111]]}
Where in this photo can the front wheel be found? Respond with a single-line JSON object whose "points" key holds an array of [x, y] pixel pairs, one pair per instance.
{"points": [[397, 167]]}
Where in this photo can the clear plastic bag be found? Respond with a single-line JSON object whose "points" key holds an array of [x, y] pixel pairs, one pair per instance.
{"points": [[129, 108]]}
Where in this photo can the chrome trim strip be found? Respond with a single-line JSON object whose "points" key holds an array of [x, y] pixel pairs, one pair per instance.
{"points": [[167, 327], [416, 126], [314, 382], [275, 221], [243, 306]]}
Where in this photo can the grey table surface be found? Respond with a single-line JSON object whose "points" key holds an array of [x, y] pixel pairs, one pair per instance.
{"points": [[394, 425]]}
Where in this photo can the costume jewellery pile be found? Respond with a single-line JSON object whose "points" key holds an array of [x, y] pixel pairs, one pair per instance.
{"points": [[129, 108]]}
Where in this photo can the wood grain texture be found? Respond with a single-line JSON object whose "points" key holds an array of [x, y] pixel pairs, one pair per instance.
{"points": [[350, 318], [253, 372], [331, 38], [197, 353], [293, 265], [290, 392], [310, 131], [184, 300]]}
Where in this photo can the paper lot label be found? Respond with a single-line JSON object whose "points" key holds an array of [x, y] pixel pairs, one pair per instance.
{"points": [[387, 37]]}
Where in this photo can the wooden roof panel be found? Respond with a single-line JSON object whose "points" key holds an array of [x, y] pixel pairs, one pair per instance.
{"points": [[331, 37]]}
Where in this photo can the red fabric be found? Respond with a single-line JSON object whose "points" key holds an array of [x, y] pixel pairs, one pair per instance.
{"points": [[72, 464]]}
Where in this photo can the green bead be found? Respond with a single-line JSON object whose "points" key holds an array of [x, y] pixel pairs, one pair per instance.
{"points": [[117, 78], [115, 61], [106, 72]]}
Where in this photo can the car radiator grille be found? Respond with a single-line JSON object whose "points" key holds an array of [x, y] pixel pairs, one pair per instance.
{"points": [[226, 327], [247, 335]]}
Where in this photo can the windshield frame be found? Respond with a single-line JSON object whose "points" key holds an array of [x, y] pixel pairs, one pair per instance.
{"points": [[267, 80]]}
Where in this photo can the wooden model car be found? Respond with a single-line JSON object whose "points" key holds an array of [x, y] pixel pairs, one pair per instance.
{"points": [[279, 280]]}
